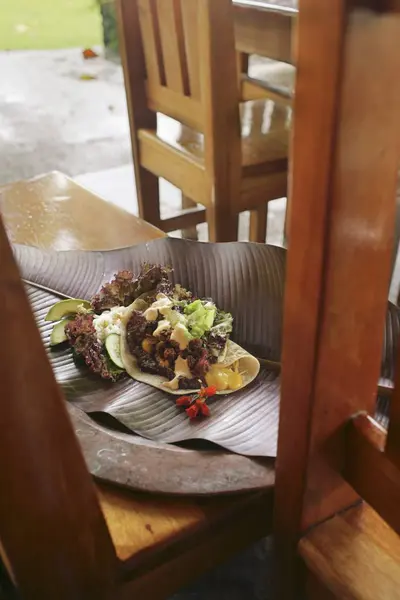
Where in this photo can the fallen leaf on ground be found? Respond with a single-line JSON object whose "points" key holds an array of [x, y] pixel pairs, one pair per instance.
{"points": [[87, 76], [89, 53]]}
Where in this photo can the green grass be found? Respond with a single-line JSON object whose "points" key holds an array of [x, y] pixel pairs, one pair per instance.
{"points": [[44, 24]]}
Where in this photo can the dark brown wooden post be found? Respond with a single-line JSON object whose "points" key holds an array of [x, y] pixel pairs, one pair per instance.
{"points": [[345, 159], [51, 526]]}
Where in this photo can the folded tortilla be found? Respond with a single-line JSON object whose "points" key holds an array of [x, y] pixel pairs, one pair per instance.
{"points": [[249, 366]]}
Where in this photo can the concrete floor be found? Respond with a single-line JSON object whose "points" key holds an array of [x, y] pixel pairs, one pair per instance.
{"points": [[52, 119]]}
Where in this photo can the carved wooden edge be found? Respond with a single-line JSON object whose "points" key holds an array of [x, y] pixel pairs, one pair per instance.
{"points": [[138, 464]]}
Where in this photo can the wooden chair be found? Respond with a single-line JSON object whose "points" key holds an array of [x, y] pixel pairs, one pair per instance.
{"points": [[331, 452], [56, 538], [179, 60]]}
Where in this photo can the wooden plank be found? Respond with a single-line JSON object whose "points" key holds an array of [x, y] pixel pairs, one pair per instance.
{"points": [[187, 218], [140, 114], [254, 89], [151, 42], [342, 207], [269, 186], [57, 547], [27, 208], [355, 555], [189, 233], [188, 111], [172, 45], [181, 169], [201, 548], [370, 471], [258, 224], [191, 37], [222, 134], [263, 32]]}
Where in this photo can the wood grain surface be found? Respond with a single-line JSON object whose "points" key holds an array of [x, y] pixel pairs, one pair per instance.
{"points": [[356, 554], [54, 212]]}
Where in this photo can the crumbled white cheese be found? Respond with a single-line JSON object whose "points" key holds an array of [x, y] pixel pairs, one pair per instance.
{"points": [[109, 322]]}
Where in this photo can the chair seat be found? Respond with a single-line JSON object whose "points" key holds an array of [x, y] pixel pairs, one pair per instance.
{"points": [[171, 540], [356, 555], [265, 137]]}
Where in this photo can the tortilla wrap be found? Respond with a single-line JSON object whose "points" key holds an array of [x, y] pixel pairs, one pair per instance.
{"points": [[249, 366]]}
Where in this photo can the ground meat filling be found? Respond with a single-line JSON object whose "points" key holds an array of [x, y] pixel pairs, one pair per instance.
{"points": [[158, 355], [138, 329]]}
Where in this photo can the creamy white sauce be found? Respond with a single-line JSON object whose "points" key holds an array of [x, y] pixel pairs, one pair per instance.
{"points": [[180, 335], [163, 325], [162, 302], [181, 370]]}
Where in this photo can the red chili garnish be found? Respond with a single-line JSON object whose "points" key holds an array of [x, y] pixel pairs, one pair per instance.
{"points": [[192, 411], [211, 390], [184, 401], [204, 409], [196, 403]]}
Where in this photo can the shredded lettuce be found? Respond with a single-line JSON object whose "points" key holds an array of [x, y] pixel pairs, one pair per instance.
{"points": [[200, 317]]}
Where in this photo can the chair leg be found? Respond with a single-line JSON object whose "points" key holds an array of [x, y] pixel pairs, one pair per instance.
{"points": [[222, 227], [258, 224], [148, 195], [191, 232]]}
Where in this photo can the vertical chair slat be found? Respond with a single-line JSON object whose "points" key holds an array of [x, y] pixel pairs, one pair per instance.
{"points": [[189, 11], [151, 42], [58, 546], [173, 46], [220, 96]]}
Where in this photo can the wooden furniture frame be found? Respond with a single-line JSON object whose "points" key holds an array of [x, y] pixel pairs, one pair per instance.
{"points": [[345, 161], [179, 59]]}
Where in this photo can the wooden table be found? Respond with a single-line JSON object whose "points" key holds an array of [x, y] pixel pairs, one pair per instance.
{"points": [[266, 28], [183, 536]]}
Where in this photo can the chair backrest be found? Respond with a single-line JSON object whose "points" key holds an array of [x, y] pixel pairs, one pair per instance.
{"points": [[343, 187], [57, 544], [183, 42], [179, 59]]}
